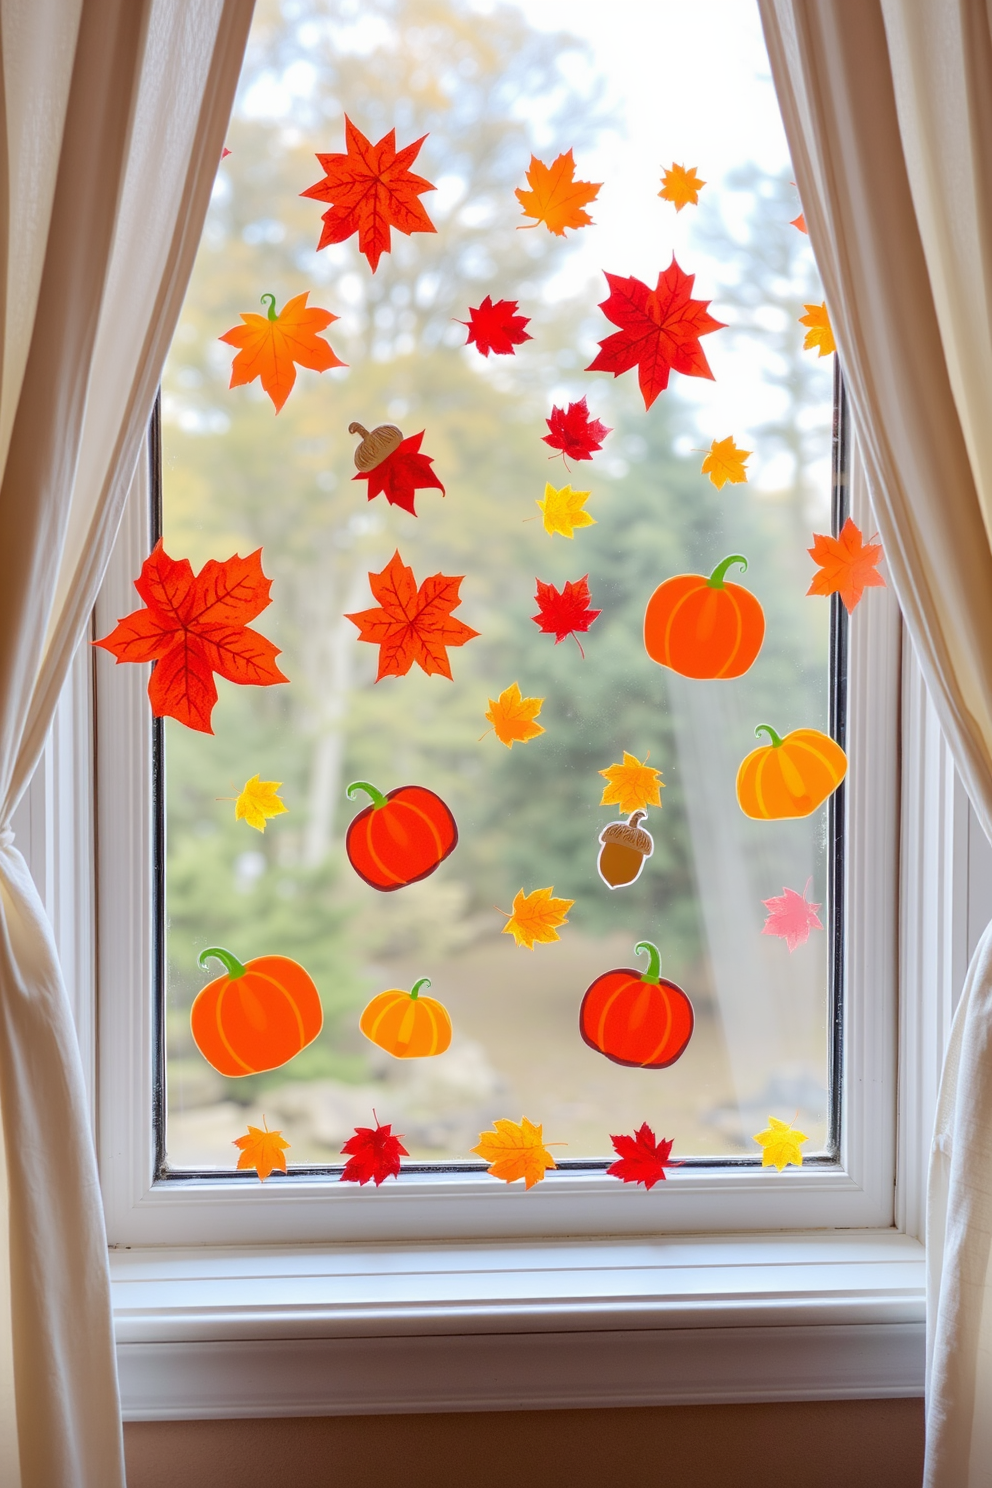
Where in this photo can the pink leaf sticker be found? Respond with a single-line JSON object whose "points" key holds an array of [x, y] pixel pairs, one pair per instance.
{"points": [[791, 917]]}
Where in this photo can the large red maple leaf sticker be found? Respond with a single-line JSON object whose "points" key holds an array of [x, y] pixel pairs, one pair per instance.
{"points": [[641, 1159], [194, 625], [574, 433], [410, 624], [370, 190], [563, 614], [401, 474], [373, 1152], [848, 565], [497, 328], [659, 330]]}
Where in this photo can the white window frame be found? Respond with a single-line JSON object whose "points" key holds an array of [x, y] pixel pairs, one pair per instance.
{"points": [[455, 1293]]}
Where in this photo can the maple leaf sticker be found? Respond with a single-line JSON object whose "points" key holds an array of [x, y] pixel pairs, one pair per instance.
{"points": [[512, 716], [799, 222], [562, 511], [781, 1143], [193, 626], [820, 333], [410, 624], [641, 1159], [371, 190], [632, 786], [496, 328], [258, 801], [725, 462], [573, 433], [271, 346], [536, 917], [403, 472], [515, 1150], [373, 1153], [563, 614], [681, 187], [791, 917], [659, 330], [848, 566], [263, 1150], [555, 197]]}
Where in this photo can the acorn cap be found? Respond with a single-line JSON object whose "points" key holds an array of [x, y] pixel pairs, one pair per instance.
{"points": [[375, 447], [629, 834]]}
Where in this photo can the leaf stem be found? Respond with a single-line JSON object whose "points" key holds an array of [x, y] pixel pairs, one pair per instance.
{"points": [[272, 305]]}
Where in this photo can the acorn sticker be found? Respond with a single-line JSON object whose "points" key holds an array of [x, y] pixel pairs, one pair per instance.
{"points": [[375, 446], [626, 847]]}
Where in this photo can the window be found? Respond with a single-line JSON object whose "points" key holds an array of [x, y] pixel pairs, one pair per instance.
{"points": [[775, 1033]]}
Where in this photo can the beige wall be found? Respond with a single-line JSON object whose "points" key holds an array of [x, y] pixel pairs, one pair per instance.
{"points": [[822, 1444]]}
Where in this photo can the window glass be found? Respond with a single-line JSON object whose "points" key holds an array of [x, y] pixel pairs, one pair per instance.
{"points": [[662, 83]]}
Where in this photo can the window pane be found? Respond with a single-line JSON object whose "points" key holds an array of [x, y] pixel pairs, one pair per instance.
{"points": [[489, 85]]}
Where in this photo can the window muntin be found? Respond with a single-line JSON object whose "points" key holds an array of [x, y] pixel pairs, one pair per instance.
{"points": [[299, 456]]}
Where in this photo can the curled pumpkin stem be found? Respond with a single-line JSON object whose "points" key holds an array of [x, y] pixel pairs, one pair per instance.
{"points": [[653, 973]]}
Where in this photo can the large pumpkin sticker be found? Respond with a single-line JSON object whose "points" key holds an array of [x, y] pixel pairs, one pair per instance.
{"points": [[637, 1018], [255, 1017], [704, 627], [407, 1025], [791, 776], [401, 837]]}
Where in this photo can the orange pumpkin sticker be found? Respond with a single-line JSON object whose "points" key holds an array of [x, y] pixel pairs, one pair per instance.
{"points": [[255, 1017], [407, 1025], [637, 1018], [401, 837], [704, 627], [791, 776]]}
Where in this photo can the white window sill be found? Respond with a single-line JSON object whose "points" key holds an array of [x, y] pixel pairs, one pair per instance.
{"points": [[305, 1331]]}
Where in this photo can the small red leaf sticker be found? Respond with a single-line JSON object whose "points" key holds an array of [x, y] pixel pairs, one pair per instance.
{"points": [[641, 1159], [401, 474], [497, 328], [373, 1153], [563, 614], [574, 433]]}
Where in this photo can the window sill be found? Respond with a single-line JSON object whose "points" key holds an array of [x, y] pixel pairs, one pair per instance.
{"points": [[305, 1331]]}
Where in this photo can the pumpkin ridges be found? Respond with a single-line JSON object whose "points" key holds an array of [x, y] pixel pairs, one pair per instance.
{"points": [[277, 1011], [372, 849], [679, 602]]}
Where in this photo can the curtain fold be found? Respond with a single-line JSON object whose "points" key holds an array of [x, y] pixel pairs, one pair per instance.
{"points": [[888, 109], [112, 115]]}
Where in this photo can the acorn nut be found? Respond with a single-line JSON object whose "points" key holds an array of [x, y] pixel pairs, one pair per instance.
{"points": [[626, 848], [375, 447]]}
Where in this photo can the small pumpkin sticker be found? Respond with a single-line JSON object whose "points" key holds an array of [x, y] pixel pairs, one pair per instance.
{"points": [[636, 1018], [401, 837], [407, 1025], [789, 777], [704, 627], [258, 1016]]}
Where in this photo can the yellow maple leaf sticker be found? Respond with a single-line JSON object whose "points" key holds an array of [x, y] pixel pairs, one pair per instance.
{"points": [[556, 198], [725, 462], [820, 333], [262, 1150], [512, 716], [681, 186], [258, 801], [536, 917], [515, 1151], [562, 510], [781, 1142], [632, 786]]}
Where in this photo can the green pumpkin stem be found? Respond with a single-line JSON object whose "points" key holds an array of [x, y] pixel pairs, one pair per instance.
{"points": [[653, 973], [378, 799], [716, 578], [272, 305], [415, 989], [231, 964], [766, 728]]}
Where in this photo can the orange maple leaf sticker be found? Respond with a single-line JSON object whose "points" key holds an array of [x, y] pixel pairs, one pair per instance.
{"points": [[272, 346], [194, 625], [512, 716], [799, 222], [370, 191], [262, 1150], [681, 186], [848, 566], [410, 624], [516, 1150], [556, 198], [536, 917], [820, 333]]}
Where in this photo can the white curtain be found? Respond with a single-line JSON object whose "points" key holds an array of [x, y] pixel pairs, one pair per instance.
{"points": [[888, 109], [112, 116]]}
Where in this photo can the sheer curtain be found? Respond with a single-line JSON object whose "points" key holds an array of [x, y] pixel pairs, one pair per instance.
{"points": [[112, 115], [888, 109]]}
